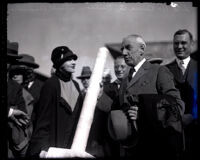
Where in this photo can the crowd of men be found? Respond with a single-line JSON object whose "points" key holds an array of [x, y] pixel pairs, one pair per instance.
{"points": [[149, 110]]}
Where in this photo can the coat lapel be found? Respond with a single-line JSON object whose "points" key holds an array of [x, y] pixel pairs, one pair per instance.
{"points": [[143, 69]]}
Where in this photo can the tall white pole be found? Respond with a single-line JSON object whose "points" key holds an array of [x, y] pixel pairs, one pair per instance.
{"points": [[89, 104]]}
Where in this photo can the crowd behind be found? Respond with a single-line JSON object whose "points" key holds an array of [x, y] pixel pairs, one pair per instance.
{"points": [[149, 110]]}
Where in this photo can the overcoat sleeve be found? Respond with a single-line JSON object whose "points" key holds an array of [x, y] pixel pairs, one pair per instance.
{"points": [[14, 96], [165, 85]]}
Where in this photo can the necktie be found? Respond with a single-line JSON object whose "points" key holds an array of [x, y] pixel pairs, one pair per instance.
{"points": [[131, 71], [182, 67]]}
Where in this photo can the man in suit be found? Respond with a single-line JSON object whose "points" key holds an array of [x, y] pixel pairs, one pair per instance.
{"points": [[184, 70], [112, 89], [17, 117], [31, 83], [85, 78], [144, 78]]}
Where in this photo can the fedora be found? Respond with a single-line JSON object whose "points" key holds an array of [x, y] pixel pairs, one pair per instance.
{"points": [[156, 60], [28, 60], [119, 127], [85, 73], [12, 50]]}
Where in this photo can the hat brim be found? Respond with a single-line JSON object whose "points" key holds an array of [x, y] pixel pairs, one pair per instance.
{"points": [[13, 56], [82, 77], [33, 65]]}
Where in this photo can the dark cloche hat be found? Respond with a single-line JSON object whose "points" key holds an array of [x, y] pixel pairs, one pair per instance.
{"points": [[85, 73], [27, 60], [60, 55], [12, 50]]}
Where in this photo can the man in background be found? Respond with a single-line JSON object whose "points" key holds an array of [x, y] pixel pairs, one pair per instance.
{"points": [[184, 70], [85, 78], [17, 117], [112, 89], [31, 83]]}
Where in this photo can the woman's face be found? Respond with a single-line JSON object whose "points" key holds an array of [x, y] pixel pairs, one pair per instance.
{"points": [[69, 66], [18, 78]]}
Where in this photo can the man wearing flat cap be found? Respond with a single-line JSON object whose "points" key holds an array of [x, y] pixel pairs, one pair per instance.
{"points": [[59, 106], [17, 117]]}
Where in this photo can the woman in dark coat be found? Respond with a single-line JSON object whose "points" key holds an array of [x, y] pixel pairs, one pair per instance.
{"points": [[59, 106]]}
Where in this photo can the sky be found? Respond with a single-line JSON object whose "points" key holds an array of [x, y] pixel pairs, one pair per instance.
{"points": [[85, 27]]}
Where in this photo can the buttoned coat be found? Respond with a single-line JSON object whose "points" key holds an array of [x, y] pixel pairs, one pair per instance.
{"points": [[152, 79], [187, 84], [16, 135]]}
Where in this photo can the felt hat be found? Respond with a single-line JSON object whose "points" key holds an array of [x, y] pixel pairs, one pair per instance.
{"points": [[12, 50], [156, 60], [119, 127], [60, 55], [85, 73], [28, 61]]}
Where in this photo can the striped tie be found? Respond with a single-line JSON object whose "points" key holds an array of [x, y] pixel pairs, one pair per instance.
{"points": [[182, 67]]}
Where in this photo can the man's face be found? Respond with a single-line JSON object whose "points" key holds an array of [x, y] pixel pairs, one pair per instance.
{"points": [[85, 82], [131, 51], [69, 66], [120, 67], [182, 46], [18, 78]]}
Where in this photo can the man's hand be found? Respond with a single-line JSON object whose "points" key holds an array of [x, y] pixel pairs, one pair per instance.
{"points": [[19, 117], [133, 112]]}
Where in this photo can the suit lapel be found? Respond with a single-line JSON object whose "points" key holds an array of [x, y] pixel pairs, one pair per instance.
{"points": [[191, 71], [178, 76], [142, 70]]}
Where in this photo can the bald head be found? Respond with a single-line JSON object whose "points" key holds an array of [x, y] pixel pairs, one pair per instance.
{"points": [[138, 39]]}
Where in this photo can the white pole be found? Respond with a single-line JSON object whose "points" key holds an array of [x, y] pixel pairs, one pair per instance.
{"points": [[89, 104]]}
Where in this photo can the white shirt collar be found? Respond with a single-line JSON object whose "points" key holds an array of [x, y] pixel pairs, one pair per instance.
{"points": [[30, 84], [137, 67], [185, 61]]}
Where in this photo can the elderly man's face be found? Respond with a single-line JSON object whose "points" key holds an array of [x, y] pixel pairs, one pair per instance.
{"points": [[120, 67], [182, 46], [69, 66], [131, 51]]}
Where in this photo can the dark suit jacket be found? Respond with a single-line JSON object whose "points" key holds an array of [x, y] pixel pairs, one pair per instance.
{"points": [[187, 84], [15, 100], [151, 79], [113, 92], [35, 89], [14, 96]]}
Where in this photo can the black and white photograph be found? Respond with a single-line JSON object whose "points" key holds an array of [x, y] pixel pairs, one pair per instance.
{"points": [[108, 80]]}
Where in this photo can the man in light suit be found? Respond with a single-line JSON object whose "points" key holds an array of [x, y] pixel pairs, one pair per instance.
{"points": [[184, 69], [145, 78]]}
